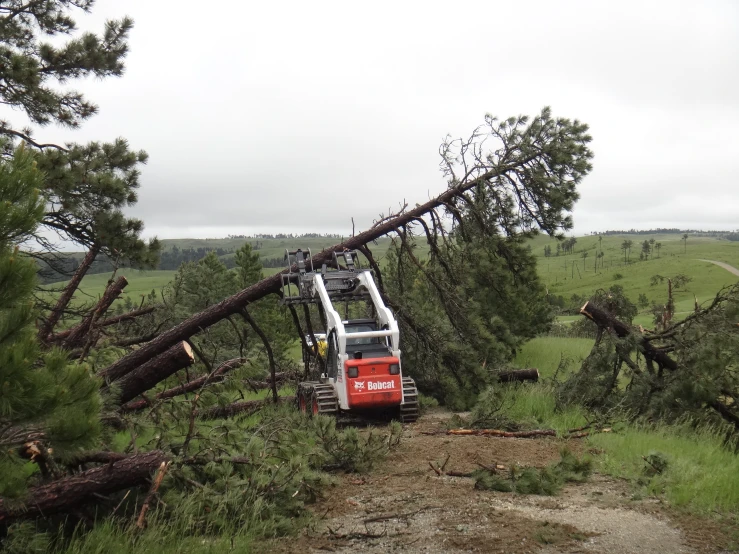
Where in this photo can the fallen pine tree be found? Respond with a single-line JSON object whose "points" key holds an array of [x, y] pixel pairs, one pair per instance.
{"points": [[687, 368]]}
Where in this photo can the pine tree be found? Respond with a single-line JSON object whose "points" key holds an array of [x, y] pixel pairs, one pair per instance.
{"points": [[32, 71], [85, 187], [44, 400]]}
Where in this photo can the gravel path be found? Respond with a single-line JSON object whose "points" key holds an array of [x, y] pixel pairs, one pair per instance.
{"points": [[404, 506], [727, 267]]}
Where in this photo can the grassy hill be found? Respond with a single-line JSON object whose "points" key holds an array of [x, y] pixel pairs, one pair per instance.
{"points": [[565, 279], [563, 275], [140, 283]]}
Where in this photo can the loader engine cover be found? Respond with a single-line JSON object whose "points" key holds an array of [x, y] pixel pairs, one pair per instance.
{"points": [[374, 386]]}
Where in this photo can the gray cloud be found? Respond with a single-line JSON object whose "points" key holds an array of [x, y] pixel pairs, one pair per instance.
{"points": [[301, 115]]}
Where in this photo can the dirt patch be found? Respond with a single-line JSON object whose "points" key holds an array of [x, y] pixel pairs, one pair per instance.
{"points": [[405, 506]]}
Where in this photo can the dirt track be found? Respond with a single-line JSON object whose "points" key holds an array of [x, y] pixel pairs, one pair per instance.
{"points": [[727, 267], [404, 506]]}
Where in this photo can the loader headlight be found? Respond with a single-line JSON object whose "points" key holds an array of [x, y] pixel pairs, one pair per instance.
{"points": [[353, 371], [394, 369]]}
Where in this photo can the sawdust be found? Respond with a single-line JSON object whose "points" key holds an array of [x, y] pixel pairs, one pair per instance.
{"points": [[404, 506]]}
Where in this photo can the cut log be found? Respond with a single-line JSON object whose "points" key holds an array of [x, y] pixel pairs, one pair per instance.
{"points": [[606, 321], [191, 386], [271, 285], [517, 375], [154, 371], [79, 334], [239, 408], [68, 493]]}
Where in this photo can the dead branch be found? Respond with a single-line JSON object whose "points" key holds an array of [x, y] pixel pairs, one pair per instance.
{"points": [[161, 472], [107, 322], [81, 333], [517, 375], [622, 330], [571, 434]]}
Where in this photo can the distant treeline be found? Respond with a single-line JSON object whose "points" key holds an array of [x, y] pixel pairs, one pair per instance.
{"points": [[289, 236], [60, 267], [174, 258], [664, 231]]}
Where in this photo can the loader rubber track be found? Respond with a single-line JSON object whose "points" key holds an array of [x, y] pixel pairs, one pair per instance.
{"points": [[409, 409], [316, 398]]}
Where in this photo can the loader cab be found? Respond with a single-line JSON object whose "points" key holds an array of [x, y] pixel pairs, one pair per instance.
{"points": [[375, 347]]}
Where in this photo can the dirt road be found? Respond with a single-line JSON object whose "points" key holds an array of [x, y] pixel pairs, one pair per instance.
{"points": [[404, 506], [727, 267]]}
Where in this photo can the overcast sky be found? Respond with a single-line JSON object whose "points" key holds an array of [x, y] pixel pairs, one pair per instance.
{"points": [[296, 116]]}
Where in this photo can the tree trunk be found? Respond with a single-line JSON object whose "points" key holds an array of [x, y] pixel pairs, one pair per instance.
{"points": [[58, 310], [154, 371], [530, 374], [270, 285], [79, 335], [605, 320], [191, 386], [70, 492]]}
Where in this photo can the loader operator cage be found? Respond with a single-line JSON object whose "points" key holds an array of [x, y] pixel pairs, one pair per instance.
{"points": [[366, 347]]}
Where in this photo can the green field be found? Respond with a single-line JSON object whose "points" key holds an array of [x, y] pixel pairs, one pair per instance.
{"points": [[143, 282], [674, 258], [140, 283]]}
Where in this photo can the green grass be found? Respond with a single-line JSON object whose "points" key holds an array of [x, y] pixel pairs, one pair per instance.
{"points": [[534, 406], [545, 353], [161, 538], [701, 474], [140, 283], [673, 258]]}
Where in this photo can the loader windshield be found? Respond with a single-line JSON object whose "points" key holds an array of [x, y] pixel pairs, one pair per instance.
{"points": [[361, 328]]}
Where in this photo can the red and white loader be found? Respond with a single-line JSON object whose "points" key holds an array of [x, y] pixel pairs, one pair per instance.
{"points": [[363, 372]]}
